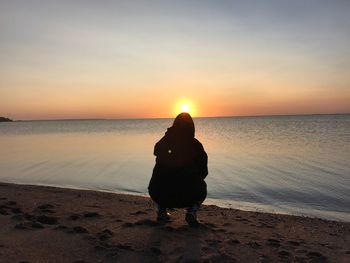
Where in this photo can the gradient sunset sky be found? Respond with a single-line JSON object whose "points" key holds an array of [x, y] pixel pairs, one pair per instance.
{"points": [[135, 59]]}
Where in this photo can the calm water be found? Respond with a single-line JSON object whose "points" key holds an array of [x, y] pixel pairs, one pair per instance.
{"points": [[291, 164]]}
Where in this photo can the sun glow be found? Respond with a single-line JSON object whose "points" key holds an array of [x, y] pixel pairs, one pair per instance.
{"points": [[185, 106]]}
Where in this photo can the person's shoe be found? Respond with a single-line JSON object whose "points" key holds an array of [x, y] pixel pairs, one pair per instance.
{"points": [[192, 220], [163, 217]]}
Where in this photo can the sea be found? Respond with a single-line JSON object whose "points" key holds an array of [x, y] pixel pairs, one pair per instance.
{"points": [[297, 165]]}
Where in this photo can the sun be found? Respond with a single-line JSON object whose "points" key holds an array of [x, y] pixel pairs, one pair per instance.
{"points": [[185, 105], [185, 108]]}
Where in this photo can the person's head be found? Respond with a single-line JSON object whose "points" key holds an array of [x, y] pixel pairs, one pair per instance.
{"points": [[184, 124]]}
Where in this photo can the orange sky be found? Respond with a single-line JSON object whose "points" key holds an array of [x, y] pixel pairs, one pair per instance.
{"points": [[132, 60]]}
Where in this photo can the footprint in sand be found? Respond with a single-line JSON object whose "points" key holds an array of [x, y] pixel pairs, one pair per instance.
{"points": [[293, 243], [273, 242], [254, 244], [22, 226], [91, 214], [48, 220], [85, 215], [74, 217], [45, 208], [262, 225], [243, 220], [125, 247], [94, 206], [31, 221], [29, 226], [29, 217], [314, 255], [61, 227], [10, 206], [128, 224], [283, 253], [138, 213], [234, 241], [80, 230], [213, 242], [218, 230], [105, 235], [37, 225], [20, 217]]}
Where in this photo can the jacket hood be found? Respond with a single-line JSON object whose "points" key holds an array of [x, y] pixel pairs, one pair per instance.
{"points": [[183, 126]]}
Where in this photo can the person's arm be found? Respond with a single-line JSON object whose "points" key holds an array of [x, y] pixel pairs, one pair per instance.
{"points": [[157, 147], [202, 161]]}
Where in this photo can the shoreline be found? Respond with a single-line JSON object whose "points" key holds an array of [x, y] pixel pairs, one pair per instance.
{"points": [[222, 203], [51, 224]]}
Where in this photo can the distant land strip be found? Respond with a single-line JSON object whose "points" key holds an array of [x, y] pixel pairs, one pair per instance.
{"points": [[4, 119]]}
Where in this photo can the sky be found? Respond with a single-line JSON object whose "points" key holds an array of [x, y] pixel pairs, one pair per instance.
{"points": [[143, 59]]}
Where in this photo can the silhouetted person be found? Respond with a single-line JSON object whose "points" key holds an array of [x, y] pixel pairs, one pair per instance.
{"points": [[181, 167]]}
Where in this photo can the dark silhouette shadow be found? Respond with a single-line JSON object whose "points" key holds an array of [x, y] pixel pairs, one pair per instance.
{"points": [[182, 244]]}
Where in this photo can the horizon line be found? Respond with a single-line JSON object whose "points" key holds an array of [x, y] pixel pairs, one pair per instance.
{"points": [[197, 117]]}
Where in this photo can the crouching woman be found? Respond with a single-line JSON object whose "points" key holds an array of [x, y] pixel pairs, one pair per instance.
{"points": [[178, 175]]}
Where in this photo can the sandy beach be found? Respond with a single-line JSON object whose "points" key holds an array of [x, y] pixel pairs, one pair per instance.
{"points": [[48, 224]]}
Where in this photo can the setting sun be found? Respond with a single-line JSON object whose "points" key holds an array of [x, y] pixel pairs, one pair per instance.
{"points": [[185, 106]]}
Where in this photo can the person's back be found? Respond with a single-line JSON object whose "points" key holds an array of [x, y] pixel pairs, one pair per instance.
{"points": [[181, 166]]}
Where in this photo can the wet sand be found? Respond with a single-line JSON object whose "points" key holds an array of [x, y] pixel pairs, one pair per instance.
{"points": [[48, 224]]}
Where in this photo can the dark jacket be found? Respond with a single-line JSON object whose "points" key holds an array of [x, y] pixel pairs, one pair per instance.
{"points": [[178, 176]]}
